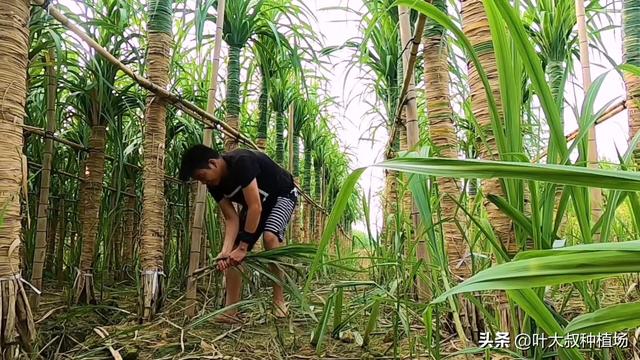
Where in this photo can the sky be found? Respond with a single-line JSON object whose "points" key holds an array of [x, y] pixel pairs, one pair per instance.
{"points": [[337, 26]]}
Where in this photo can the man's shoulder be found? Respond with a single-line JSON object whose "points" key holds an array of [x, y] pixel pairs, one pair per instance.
{"points": [[241, 155], [250, 156], [239, 152]]}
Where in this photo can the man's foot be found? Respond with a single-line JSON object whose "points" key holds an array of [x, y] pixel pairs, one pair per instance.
{"points": [[232, 318], [280, 310]]}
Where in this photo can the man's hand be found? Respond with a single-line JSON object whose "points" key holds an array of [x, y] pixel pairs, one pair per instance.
{"points": [[224, 259], [234, 258], [238, 255]]}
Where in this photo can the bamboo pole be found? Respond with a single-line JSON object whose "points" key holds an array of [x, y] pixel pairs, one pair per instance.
{"points": [[596, 194], [39, 254], [198, 218]]}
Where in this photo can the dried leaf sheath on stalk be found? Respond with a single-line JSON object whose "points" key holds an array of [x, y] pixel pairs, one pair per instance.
{"points": [[443, 136], [16, 320], [128, 231], [91, 198], [160, 42], [475, 25]]}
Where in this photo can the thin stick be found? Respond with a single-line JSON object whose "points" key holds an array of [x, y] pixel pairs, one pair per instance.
{"points": [[415, 44], [64, 173]]}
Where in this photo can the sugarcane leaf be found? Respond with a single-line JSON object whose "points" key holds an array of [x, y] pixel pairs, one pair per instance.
{"points": [[633, 69], [485, 169], [552, 267], [610, 319], [513, 213]]}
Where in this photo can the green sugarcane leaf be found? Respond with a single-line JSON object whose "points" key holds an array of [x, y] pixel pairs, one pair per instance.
{"points": [[635, 70], [513, 213], [321, 329], [552, 267], [610, 319], [337, 311], [373, 321], [485, 169], [529, 301]]}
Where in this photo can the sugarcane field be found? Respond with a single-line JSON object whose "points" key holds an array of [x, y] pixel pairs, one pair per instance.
{"points": [[320, 179]]}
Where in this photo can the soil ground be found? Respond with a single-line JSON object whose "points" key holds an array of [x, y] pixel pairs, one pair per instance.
{"points": [[110, 330], [87, 332]]}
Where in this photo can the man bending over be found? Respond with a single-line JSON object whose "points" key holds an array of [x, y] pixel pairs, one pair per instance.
{"points": [[267, 195]]}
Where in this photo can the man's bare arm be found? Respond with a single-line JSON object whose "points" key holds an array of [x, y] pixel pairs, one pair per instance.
{"points": [[254, 207], [232, 225]]}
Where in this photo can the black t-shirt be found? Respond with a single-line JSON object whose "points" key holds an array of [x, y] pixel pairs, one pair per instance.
{"points": [[244, 166]]}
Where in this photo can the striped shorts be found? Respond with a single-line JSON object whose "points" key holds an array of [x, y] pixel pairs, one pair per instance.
{"points": [[275, 218]]}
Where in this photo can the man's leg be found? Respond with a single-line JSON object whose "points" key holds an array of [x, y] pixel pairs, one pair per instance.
{"points": [[233, 279], [280, 308]]}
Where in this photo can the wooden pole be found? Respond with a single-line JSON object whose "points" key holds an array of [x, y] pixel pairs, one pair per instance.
{"points": [[201, 192], [596, 194], [39, 254]]}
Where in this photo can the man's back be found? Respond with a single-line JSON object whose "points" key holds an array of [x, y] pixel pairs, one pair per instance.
{"points": [[245, 165]]}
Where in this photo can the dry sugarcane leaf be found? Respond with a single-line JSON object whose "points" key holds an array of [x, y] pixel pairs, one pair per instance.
{"points": [[25, 326], [12, 249], [3, 306], [25, 187], [49, 313], [10, 322], [103, 334]]}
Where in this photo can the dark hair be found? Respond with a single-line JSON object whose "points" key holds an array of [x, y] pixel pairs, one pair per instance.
{"points": [[196, 157]]}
